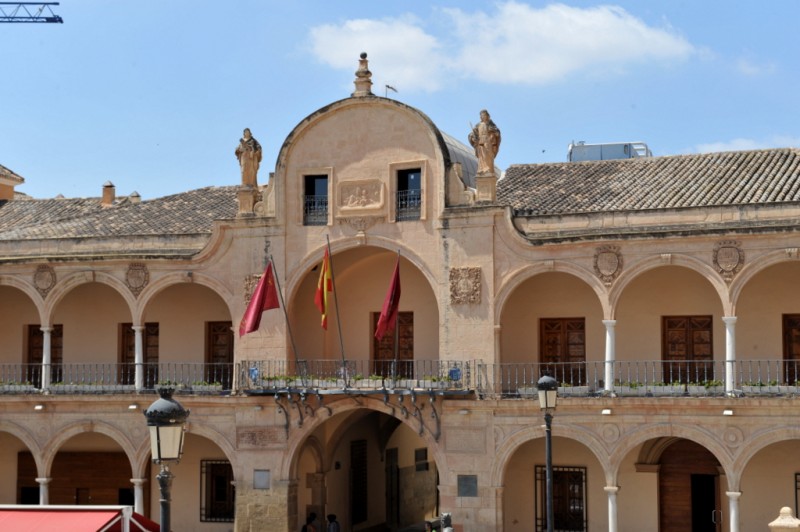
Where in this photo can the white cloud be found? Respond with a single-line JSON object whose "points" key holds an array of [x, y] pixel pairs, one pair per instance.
{"points": [[408, 56], [740, 144], [515, 44], [750, 68], [521, 44]]}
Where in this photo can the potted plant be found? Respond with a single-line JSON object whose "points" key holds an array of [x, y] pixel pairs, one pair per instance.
{"points": [[206, 387], [665, 388], [629, 388], [566, 389]]}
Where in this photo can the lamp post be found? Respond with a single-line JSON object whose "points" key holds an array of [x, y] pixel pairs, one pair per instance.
{"points": [[167, 421], [548, 394]]}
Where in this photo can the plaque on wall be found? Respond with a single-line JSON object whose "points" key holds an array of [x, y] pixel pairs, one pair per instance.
{"points": [[467, 485], [728, 258], [137, 277], [465, 286], [607, 263], [44, 279]]}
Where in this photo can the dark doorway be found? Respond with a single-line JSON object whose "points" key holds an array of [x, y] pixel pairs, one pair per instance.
{"points": [[704, 503]]}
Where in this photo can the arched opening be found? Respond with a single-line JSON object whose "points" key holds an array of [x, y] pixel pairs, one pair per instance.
{"points": [[376, 472], [770, 481], [13, 488]]}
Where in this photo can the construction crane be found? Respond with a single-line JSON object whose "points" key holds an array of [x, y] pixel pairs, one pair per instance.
{"points": [[29, 12]]}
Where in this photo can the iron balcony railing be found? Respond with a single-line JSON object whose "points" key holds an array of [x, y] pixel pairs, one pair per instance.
{"points": [[504, 380], [315, 210], [409, 204], [345, 375]]}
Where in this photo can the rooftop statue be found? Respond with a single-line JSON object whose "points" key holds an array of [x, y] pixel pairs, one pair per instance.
{"points": [[249, 154], [485, 138]]}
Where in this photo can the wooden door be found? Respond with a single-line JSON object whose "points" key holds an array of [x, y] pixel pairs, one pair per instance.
{"points": [[383, 350], [35, 354], [687, 347], [127, 355], [791, 348], [562, 348], [688, 488], [219, 353]]}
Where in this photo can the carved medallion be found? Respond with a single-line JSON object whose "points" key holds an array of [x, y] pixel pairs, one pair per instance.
{"points": [[137, 277], [607, 263], [44, 279], [465, 286], [728, 258]]}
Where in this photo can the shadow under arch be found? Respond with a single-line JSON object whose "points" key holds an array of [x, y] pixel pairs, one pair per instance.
{"points": [[69, 283], [666, 431], [162, 283], [27, 438], [54, 445], [753, 269], [297, 438], [512, 444], [651, 263], [524, 273]]}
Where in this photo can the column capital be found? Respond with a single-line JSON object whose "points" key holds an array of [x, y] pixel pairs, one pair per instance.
{"points": [[609, 323], [138, 481], [733, 494], [46, 329], [729, 320], [43, 480], [611, 490], [137, 328]]}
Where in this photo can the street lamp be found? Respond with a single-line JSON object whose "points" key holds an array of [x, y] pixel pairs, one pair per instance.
{"points": [[548, 394], [167, 421]]}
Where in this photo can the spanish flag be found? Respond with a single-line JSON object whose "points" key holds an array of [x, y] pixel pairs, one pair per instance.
{"points": [[324, 285], [264, 298]]}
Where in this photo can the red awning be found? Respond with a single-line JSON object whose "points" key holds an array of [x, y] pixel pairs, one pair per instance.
{"points": [[139, 523], [55, 521]]}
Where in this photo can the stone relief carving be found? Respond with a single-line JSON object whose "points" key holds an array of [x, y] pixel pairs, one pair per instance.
{"points": [[44, 279], [250, 282], [360, 196], [137, 277], [610, 432], [465, 286], [728, 258], [607, 263]]}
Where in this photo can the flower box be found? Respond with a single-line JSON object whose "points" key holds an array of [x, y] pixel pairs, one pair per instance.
{"points": [[628, 390], [17, 388], [665, 389], [567, 391], [206, 388]]}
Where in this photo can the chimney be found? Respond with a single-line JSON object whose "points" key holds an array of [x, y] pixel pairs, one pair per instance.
{"points": [[109, 193], [135, 198]]}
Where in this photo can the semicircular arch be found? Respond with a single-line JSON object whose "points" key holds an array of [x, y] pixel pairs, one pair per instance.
{"points": [[526, 272], [69, 283], [28, 289], [685, 261], [118, 435], [162, 283], [761, 441], [753, 269], [27, 438]]}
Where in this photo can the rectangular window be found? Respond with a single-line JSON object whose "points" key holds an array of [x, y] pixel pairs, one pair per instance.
{"points": [[315, 200], [569, 498], [562, 348], [687, 349], [218, 496], [219, 353], [421, 459], [791, 348], [409, 194]]}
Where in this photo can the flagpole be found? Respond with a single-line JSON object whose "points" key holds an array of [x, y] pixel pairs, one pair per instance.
{"points": [[283, 306], [336, 305], [396, 336]]}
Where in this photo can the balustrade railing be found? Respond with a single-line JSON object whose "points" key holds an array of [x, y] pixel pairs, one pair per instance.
{"points": [[504, 380]]}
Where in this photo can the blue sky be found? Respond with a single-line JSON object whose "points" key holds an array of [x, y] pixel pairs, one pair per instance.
{"points": [[153, 95]]}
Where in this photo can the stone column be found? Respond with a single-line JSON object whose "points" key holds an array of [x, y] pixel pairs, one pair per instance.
{"points": [[138, 495], [44, 494], [46, 356], [611, 491], [611, 354], [138, 356], [730, 353], [733, 508]]}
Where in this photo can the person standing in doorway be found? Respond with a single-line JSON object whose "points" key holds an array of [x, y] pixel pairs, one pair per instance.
{"points": [[333, 524]]}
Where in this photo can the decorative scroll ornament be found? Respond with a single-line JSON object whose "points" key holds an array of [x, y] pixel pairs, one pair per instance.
{"points": [[465, 286], [362, 223], [137, 277], [607, 263], [44, 279], [728, 258]]}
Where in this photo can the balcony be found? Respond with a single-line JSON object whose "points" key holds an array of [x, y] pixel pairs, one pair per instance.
{"points": [[651, 378], [315, 210], [409, 203]]}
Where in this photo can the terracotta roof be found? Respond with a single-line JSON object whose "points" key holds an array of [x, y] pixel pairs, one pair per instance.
{"points": [[705, 180], [8, 174], [187, 213]]}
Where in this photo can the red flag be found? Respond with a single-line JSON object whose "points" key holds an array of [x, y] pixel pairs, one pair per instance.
{"points": [[264, 298], [324, 285], [388, 317]]}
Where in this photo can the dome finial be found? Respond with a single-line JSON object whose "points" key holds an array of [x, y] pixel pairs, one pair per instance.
{"points": [[363, 79]]}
